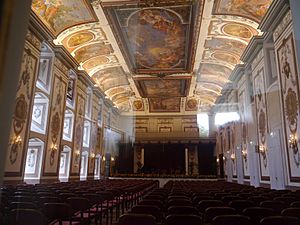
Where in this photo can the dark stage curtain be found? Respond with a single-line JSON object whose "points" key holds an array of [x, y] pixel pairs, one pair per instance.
{"points": [[207, 161], [164, 159]]}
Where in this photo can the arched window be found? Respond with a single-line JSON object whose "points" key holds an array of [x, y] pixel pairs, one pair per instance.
{"points": [[97, 166], [203, 124], [71, 89], [84, 165], [64, 165], [39, 116], [45, 68], [68, 125], [86, 134], [225, 117], [34, 160]]}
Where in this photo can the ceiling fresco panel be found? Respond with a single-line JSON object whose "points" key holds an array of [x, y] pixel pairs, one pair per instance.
{"points": [[214, 69], [96, 49], [225, 44], [164, 104], [163, 87], [221, 56], [252, 9], [156, 40], [110, 77], [98, 61], [229, 29], [58, 15]]}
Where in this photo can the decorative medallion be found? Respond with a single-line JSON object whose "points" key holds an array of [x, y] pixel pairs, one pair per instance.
{"points": [[52, 157], [262, 125], [20, 114], [291, 111], [55, 126]]}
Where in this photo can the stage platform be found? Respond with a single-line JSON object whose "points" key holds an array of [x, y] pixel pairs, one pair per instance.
{"points": [[164, 180]]}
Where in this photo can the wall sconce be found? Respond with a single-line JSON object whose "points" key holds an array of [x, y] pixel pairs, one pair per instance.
{"points": [[293, 143], [103, 158], [16, 141], [262, 150], [54, 147], [232, 156], [112, 159], [244, 154], [218, 160], [93, 155], [77, 152]]}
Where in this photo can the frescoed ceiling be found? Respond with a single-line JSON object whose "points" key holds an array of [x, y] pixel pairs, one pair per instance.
{"points": [[155, 57], [156, 39]]}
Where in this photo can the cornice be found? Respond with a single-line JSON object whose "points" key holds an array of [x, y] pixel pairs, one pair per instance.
{"points": [[274, 15], [253, 48]]}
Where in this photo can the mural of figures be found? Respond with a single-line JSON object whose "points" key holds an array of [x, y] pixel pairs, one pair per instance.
{"points": [[156, 39], [58, 15], [253, 9]]}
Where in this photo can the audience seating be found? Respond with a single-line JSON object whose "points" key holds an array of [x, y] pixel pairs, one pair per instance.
{"points": [[280, 220], [191, 202], [231, 220], [26, 217], [137, 219], [183, 220]]}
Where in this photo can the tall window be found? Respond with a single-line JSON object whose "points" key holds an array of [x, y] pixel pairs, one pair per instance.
{"points": [[226, 117], [203, 124]]}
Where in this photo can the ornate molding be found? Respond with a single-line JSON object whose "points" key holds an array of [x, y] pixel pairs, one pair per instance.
{"points": [[33, 40], [283, 25], [257, 59], [61, 66]]}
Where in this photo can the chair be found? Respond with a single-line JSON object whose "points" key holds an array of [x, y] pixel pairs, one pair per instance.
{"points": [[58, 212], [231, 220], [179, 202], [258, 199], [203, 205], [157, 203], [96, 202], [229, 198], [26, 217], [182, 210], [197, 199], [147, 209], [277, 206], [288, 200], [22, 198], [295, 204], [212, 212], [280, 220], [183, 220], [81, 207], [257, 213], [22, 205], [137, 219], [240, 205], [295, 212]]}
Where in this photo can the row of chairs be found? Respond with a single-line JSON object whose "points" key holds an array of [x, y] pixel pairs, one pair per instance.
{"points": [[217, 203], [72, 202]]}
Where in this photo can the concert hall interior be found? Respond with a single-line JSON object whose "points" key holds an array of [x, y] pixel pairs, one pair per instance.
{"points": [[150, 112]]}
